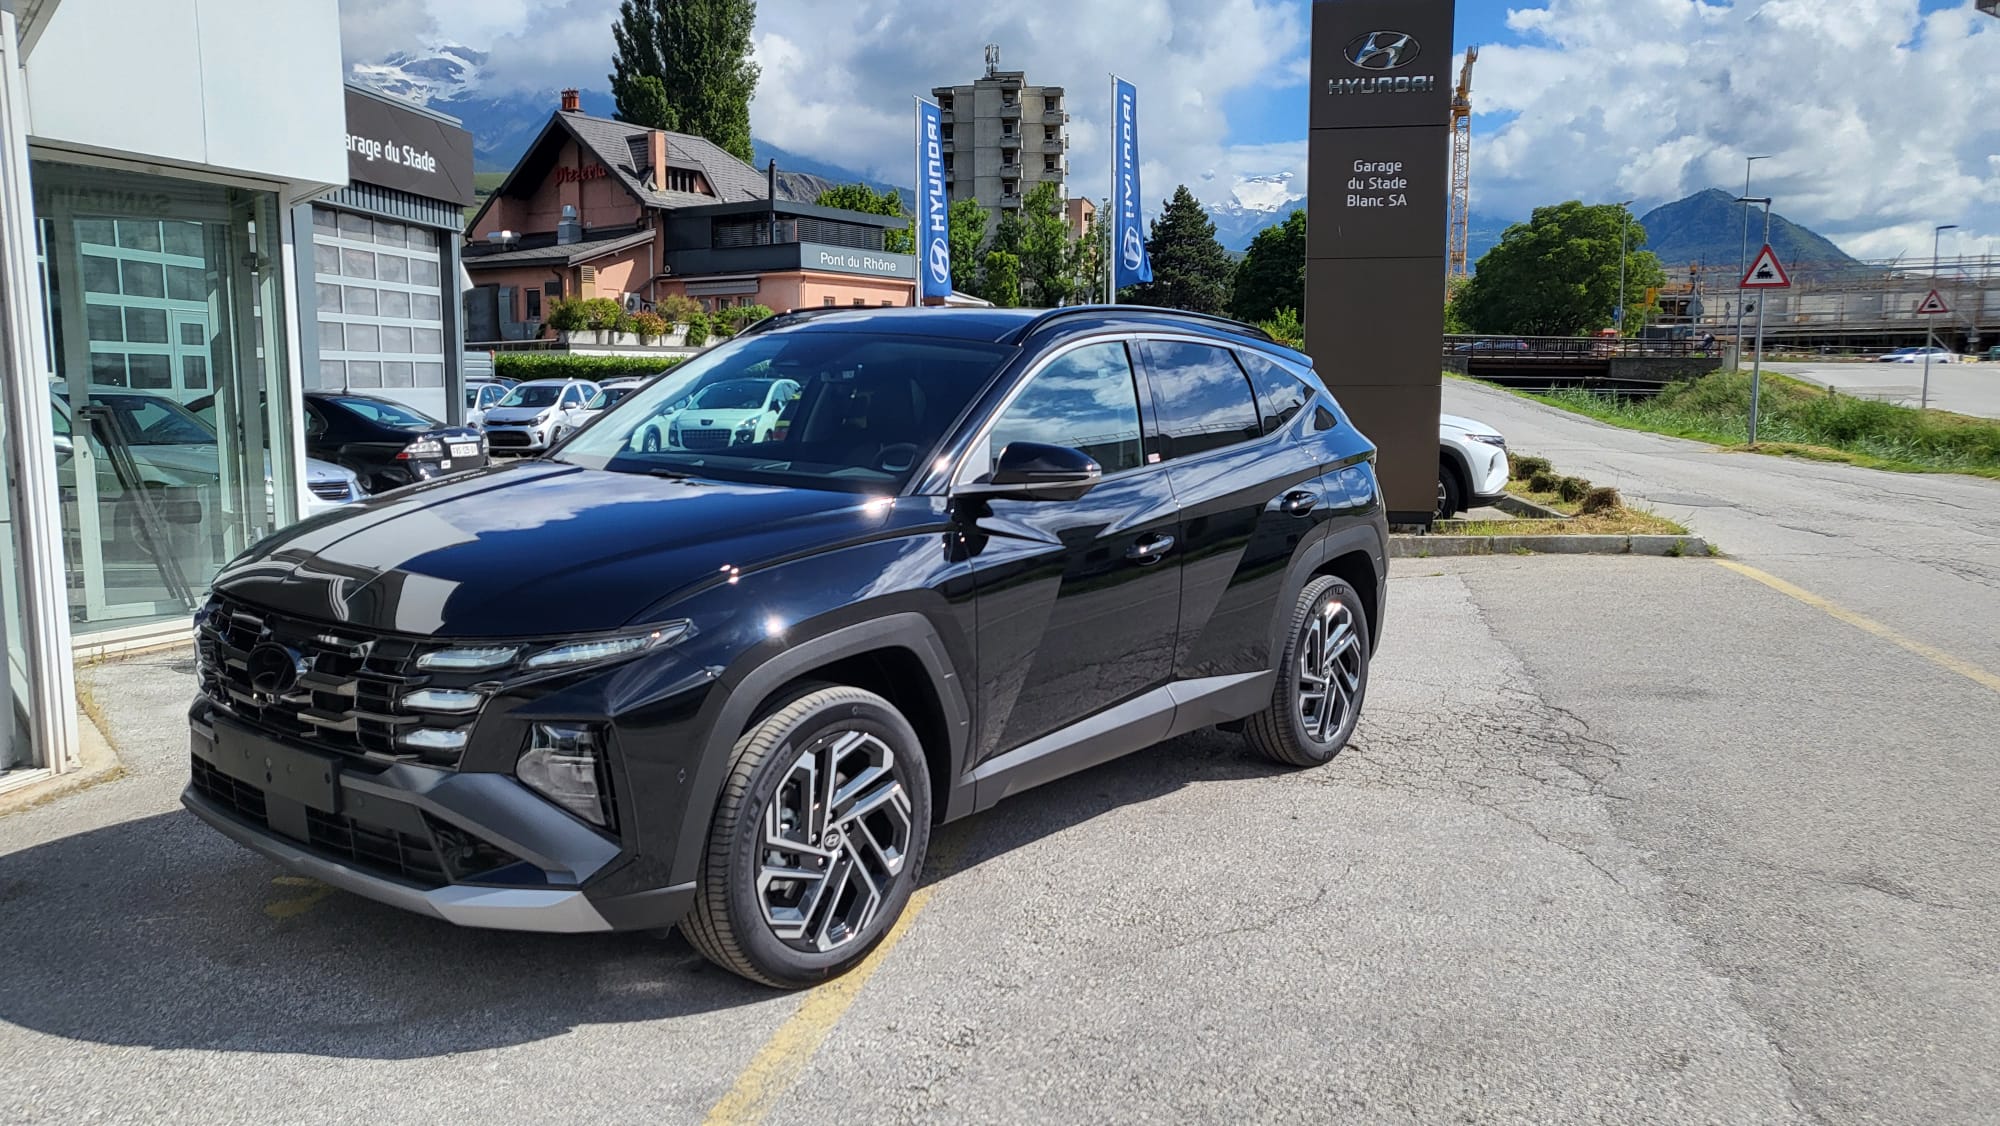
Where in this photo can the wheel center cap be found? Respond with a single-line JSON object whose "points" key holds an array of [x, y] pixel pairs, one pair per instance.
{"points": [[832, 840]]}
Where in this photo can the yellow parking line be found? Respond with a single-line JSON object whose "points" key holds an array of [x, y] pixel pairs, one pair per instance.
{"points": [[784, 1056], [1934, 655]]}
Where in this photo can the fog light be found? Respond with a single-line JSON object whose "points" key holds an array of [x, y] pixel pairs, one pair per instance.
{"points": [[565, 765], [430, 739], [443, 700]]}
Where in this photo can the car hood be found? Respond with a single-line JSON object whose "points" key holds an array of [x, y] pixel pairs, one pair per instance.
{"points": [[515, 416], [697, 418], [1459, 422], [537, 549], [319, 471]]}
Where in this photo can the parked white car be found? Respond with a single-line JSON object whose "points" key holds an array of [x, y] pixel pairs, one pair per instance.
{"points": [[735, 412], [482, 395], [527, 419], [1472, 465], [1916, 356], [328, 486]]}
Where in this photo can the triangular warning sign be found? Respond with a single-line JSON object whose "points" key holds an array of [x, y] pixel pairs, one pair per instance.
{"points": [[1766, 273], [1933, 305]]}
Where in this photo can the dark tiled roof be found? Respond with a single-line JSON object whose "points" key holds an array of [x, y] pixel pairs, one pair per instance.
{"points": [[613, 143], [568, 254]]}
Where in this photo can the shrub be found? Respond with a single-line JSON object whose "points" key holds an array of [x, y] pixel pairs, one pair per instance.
{"points": [[627, 323], [649, 326], [1285, 327], [697, 334], [677, 308], [1543, 481], [1572, 489], [736, 317], [1524, 467], [602, 313], [1602, 500], [558, 365], [566, 314]]}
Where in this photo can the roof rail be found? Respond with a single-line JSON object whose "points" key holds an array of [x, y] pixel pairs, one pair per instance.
{"points": [[1054, 315], [794, 316]]}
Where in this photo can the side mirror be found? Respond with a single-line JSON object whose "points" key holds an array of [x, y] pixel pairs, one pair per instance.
{"points": [[1033, 471], [65, 448]]}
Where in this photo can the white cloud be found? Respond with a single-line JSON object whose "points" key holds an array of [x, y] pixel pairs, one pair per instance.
{"points": [[1878, 119]]}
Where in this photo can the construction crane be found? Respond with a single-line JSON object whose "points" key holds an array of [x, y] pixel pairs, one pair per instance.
{"points": [[1457, 264]]}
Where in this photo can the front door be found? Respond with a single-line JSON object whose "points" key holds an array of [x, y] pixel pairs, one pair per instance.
{"points": [[1078, 601]]}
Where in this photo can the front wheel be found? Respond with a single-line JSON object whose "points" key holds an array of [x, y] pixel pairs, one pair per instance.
{"points": [[1451, 495], [818, 840], [1322, 679]]}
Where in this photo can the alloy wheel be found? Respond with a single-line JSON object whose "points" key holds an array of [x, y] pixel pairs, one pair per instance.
{"points": [[836, 838], [1329, 671]]}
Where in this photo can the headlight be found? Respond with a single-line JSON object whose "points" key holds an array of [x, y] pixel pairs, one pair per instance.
{"points": [[469, 660], [1489, 439], [746, 432], [591, 652]]}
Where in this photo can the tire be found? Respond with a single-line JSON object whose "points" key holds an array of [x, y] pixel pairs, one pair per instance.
{"points": [[735, 923], [651, 442], [1291, 731], [1451, 494]]}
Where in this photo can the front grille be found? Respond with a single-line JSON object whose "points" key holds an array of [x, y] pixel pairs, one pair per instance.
{"points": [[509, 439], [347, 701], [703, 439], [330, 490], [433, 858]]}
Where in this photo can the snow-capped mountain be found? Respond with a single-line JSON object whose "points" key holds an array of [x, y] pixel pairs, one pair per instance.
{"points": [[443, 73], [446, 78], [1254, 204]]}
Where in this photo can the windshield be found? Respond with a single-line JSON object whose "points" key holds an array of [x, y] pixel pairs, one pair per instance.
{"points": [[610, 397], [533, 395], [395, 416], [867, 410], [734, 395], [149, 420]]}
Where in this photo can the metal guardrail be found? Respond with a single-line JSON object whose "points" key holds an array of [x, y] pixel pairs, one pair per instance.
{"points": [[1571, 349]]}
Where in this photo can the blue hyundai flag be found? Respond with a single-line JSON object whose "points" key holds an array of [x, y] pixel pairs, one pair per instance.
{"points": [[933, 208], [1130, 262]]}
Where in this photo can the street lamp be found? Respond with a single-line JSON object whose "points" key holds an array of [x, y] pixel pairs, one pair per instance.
{"points": [[1624, 227], [1757, 365], [1930, 333], [1743, 259]]}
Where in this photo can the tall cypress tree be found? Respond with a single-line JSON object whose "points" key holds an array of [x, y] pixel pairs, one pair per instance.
{"points": [[1190, 269], [697, 55]]}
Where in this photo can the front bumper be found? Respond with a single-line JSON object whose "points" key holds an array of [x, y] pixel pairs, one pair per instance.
{"points": [[504, 440], [384, 832]]}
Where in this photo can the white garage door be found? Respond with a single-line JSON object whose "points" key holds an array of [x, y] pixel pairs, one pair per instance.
{"points": [[381, 305]]}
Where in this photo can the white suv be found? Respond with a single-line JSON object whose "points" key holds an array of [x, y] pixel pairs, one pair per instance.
{"points": [[1472, 465]]}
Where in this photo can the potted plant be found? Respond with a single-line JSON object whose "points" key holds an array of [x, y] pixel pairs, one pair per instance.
{"points": [[566, 318]]}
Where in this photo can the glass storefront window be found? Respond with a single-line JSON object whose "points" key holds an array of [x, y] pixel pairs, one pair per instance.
{"points": [[17, 748], [164, 297]]}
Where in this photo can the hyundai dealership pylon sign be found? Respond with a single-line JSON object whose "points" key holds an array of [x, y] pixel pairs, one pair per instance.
{"points": [[933, 224], [1130, 264], [1377, 196]]}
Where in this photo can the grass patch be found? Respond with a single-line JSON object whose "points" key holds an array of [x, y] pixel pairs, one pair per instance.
{"points": [[1624, 522], [1800, 420]]}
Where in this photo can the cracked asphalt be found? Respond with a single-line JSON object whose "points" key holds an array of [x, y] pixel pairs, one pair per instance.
{"points": [[1619, 840]]}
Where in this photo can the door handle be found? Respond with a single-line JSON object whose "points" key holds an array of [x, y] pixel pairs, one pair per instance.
{"points": [[1150, 550], [1298, 504]]}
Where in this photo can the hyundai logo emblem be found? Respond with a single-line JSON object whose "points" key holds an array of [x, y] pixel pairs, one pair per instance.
{"points": [[1383, 50], [940, 263], [274, 671], [1134, 249]]}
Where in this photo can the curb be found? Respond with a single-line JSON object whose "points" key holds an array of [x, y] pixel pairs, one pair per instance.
{"points": [[1521, 506], [97, 762], [1435, 547]]}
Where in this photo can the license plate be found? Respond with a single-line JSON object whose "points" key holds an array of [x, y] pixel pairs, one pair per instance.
{"points": [[465, 449], [302, 776]]}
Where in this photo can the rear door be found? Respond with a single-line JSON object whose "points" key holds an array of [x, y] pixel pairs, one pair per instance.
{"points": [[1078, 601], [1248, 490]]}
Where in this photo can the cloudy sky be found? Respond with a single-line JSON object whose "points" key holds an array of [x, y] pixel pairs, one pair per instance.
{"points": [[1878, 115]]}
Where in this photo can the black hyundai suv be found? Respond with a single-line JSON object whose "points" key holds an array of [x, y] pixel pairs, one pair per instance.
{"points": [[736, 688]]}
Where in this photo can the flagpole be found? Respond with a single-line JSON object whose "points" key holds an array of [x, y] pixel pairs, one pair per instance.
{"points": [[1111, 244], [917, 113]]}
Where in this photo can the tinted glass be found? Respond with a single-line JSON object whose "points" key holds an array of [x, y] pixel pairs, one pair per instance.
{"points": [[735, 395], [385, 413], [533, 395], [1203, 398], [871, 408], [149, 420], [1280, 396], [1084, 399]]}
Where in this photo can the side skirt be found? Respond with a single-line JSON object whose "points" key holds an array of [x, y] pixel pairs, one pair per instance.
{"points": [[1165, 712]]}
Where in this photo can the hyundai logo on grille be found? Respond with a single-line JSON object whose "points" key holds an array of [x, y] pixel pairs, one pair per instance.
{"points": [[274, 671], [1383, 50]]}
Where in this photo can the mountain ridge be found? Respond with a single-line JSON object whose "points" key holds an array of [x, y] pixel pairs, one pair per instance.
{"points": [[1707, 227]]}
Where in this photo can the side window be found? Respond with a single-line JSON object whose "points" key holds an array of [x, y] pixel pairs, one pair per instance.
{"points": [[1280, 396], [315, 422], [1203, 397], [1084, 399]]}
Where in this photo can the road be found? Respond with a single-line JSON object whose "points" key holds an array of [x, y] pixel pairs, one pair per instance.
{"points": [[1962, 388], [1620, 840]]}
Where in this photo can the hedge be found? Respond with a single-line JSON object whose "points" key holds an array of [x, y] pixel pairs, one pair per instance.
{"points": [[561, 365]]}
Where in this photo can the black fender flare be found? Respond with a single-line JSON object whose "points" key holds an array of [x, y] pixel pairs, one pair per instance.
{"points": [[759, 673], [1307, 561]]}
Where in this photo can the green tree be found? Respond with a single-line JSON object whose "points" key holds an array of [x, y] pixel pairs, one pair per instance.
{"points": [[1000, 281], [1454, 306], [1272, 275], [861, 197], [1190, 269], [967, 222], [1557, 274], [1047, 251], [698, 51]]}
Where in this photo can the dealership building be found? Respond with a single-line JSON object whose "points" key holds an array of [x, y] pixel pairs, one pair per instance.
{"points": [[182, 254], [602, 208]]}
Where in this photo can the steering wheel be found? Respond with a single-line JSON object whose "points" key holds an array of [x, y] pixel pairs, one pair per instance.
{"points": [[898, 457]]}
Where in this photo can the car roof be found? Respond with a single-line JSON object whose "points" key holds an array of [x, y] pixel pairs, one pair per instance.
{"points": [[1019, 326], [549, 383]]}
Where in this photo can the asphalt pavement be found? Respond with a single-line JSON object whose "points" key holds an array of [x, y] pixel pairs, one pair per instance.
{"points": [[1962, 388], [1620, 840]]}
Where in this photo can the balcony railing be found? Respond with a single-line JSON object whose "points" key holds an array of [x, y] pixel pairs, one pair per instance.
{"points": [[1011, 170], [1055, 116], [1010, 140], [1010, 111], [1056, 147], [1011, 200]]}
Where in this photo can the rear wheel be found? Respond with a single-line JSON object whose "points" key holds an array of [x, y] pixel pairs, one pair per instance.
{"points": [[1322, 679], [818, 840], [651, 442]]}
